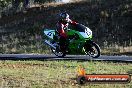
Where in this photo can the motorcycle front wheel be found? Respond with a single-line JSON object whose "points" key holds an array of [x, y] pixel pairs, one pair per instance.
{"points": [[92, 49]]}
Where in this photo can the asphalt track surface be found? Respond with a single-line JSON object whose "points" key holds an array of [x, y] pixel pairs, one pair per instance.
{"points": [[68, 57]]}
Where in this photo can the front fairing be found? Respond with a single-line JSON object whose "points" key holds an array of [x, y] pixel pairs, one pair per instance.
{"points": [[83, 31], [86, 34]]}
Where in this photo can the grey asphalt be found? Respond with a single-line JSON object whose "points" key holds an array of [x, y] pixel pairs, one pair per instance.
{"points": [[68, 57]]}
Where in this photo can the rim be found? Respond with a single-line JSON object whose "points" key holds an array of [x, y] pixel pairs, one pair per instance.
{"points": [[92, 54]]}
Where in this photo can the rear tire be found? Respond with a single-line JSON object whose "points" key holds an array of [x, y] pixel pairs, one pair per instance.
{"points": [[58, 53]]}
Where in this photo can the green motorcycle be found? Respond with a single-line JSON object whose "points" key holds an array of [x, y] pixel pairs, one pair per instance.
{"points": [[79, 42]]}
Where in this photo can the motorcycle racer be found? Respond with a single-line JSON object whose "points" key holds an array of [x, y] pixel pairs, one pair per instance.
{"points": [[62, 25], [73, 40]]}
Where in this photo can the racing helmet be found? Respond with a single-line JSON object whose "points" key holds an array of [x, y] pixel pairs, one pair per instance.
{"points": [[64, 17]]}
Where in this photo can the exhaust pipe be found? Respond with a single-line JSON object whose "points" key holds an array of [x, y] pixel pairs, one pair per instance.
{"points": [[51, 45]]}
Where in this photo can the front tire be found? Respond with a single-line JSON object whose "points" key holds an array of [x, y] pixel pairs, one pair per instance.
{"points": [[92, 49]]}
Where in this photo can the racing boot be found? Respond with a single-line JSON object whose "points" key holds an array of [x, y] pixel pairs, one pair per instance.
{"points": [[62, 43]]}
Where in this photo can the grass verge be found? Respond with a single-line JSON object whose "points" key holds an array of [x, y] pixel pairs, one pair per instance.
{"points": [[56, 73]]}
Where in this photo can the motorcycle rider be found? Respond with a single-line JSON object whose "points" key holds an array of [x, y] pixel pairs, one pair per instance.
{"points": [[62, 25]]}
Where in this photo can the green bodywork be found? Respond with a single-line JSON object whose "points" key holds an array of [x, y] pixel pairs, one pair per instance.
{"points": [[75, 46]]}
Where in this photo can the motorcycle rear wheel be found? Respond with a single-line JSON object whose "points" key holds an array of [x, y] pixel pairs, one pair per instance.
{"points": [[58, 53]]}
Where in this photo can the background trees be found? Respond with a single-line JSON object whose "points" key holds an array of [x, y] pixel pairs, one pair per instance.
{"points": [[111, 22]]}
